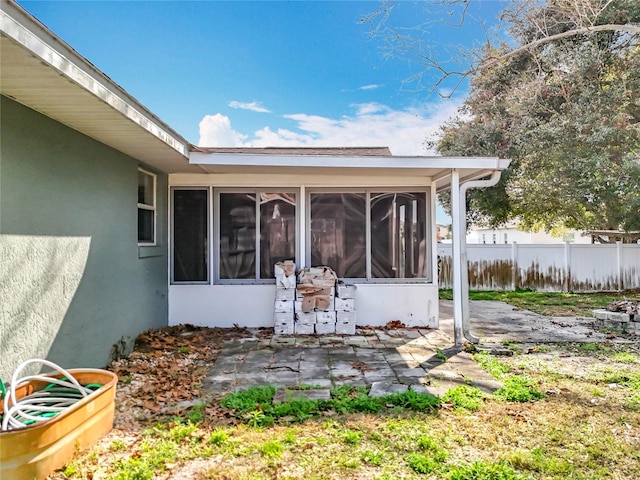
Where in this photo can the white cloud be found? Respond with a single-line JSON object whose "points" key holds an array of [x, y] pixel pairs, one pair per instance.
{"points": [[253, 106], [371, 124], [216, 131], [372, 86]]}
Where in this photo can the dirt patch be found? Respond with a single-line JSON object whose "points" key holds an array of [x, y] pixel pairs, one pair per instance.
{"points": [[164, 373]]}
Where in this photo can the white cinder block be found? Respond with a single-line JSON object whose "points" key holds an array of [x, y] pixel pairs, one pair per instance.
{"points": [[618, 316], [285, 294], [303, 329], [345, 291], [281, 318], [285, 306], [306, 318], [345, 304], [346, 328], [286, 282], [326, 317], [325, 328], [346, 317], [600, 314], [285, 329], [287, 267]]}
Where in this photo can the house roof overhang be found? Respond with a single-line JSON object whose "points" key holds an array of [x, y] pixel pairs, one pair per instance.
{"points": [[42, 72], [345, 162]]}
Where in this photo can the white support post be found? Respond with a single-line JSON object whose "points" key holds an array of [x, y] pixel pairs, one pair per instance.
{"points": [[302, 228], [567, 267], [456, 256], [434, 226]]}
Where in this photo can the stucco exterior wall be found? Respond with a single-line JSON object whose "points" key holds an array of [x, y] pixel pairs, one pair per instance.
{"points": [[75, 288]]}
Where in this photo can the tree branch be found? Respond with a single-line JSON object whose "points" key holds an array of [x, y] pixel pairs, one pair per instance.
{"points": [[633, 29]]}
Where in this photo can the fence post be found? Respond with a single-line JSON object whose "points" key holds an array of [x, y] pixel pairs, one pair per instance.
{"points": [[515, 271], [567, 267], [620, 266]]}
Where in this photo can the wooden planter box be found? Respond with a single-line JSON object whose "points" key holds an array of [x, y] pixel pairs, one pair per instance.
{"points": [[36, 451]]}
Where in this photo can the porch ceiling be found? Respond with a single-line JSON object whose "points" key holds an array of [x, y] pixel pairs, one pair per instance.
{"points": [[40, 71]]}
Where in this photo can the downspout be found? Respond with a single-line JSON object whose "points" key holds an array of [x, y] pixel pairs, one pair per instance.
{"points": [[464, 270]]}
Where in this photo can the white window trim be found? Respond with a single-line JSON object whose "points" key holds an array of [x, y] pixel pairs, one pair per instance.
{"points": [[368, 191], [144, 206], [216, 233]]}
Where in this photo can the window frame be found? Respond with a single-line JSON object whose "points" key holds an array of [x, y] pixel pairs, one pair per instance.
{"points": [[216, 232], [208, 251], [152, 208], [368, 191]]}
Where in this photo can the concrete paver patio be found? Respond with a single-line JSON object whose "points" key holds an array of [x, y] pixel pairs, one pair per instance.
{"points": [[388, 360], [374, 357]]}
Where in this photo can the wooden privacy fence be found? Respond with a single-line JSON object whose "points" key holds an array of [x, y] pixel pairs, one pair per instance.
{"points": [[554, 268]]}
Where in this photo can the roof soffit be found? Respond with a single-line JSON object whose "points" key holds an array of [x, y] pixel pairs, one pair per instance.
{"points": [[42, 72]]}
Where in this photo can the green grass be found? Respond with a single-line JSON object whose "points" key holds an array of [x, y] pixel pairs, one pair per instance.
{"points": [[352, 437], [255, 405], [484, 471], [248, 400], [556, 442], [218, 437], [626, 357], [421, 463], [491, 364], [518, 389], [464, 397], [372, 457], [548, 303], [271, 448], [155, 455]]}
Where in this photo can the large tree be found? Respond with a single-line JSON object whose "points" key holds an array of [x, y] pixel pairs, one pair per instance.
{"points": [[561, 98]]}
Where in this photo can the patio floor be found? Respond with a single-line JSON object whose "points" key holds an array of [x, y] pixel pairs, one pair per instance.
{"points": [[389, 360]]}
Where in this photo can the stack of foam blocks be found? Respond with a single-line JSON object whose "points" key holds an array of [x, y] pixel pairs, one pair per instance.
{"points": [[345, 304], [283, 316], [322, 305], [314, 306]]}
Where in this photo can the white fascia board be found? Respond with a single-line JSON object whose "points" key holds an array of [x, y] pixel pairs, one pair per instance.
{"points": [[81, 72], [328, 161]]}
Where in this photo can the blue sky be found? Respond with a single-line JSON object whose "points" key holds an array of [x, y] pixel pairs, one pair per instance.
{"points": [[265, 73]]}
